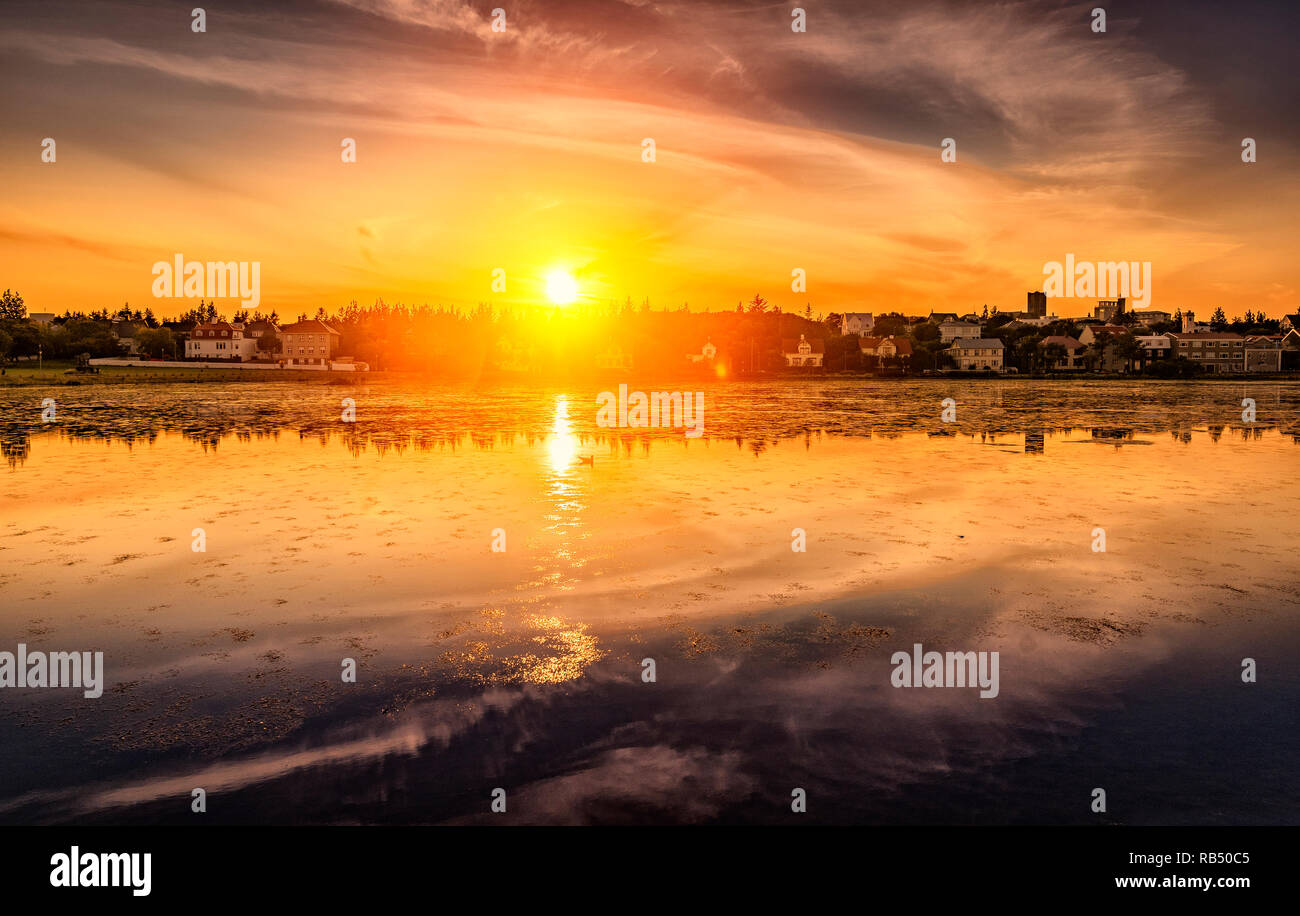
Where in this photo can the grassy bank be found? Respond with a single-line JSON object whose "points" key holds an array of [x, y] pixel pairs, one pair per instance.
{"points": [[55, 372]]}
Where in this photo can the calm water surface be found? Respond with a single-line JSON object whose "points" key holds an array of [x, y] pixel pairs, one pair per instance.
{"points": [[522, 669]]}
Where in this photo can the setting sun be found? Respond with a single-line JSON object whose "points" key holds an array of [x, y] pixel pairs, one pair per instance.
{"points": [[561, 288]]}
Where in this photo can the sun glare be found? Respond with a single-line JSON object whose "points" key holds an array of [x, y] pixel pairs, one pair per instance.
{"points": [[561, 288]]}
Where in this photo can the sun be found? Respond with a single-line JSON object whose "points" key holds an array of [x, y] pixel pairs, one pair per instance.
{"points": [[561, 288]]}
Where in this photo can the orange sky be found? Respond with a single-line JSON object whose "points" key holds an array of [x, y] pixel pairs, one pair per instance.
{"points": [[522, 150]]}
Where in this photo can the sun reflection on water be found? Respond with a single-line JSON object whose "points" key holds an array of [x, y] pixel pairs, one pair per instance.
{"points": [[562, 447]]}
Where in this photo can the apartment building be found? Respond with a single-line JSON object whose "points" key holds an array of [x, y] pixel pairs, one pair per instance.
{"points": [[955, 330], [977, 354], [1215, 352], [308, 343]]}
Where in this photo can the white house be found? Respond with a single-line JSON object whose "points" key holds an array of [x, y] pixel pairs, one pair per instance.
{"points": [[860, 323], [708, 353], [954, 330], [803, 352], [976, 354], [220, 340]]}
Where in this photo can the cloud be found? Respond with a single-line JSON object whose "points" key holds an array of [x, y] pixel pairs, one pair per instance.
{"points": [[772, 145]]}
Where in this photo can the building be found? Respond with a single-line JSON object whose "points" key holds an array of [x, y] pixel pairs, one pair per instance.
{"points": [[124, 332], [265, 336], [1191, 325], [977, 353], [902, 350], [708, 353], [941, 317], [1152, 348], [40, 317], [1094, 332], [1213, 352], [803, 352], [1148, 317], [859, 323], [1073, 356], [1290, 323], [1102, 338], [883, 348], [954, 330], [1108, 309], [1023, 319], [1036, 304], [308, 343], [1264, 354], [220, 340]]}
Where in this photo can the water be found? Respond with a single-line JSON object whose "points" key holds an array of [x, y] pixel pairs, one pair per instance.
{"points": [[523, 669]]}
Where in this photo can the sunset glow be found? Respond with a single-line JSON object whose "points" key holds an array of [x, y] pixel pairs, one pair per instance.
{"points": [[482, 150]]}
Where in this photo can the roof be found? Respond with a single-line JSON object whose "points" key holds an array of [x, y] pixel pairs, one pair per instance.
{"points": [[1108, 329], [261, 327], [848, 315], [1060, 339], [957, 324], [126, 330], [1205, 335], [978, 343], [789, 345], [311, 326], [902, 346], [213, 327]]}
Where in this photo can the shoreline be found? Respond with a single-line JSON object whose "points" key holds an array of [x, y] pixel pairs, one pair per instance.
{"points": [[28, 377]]}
